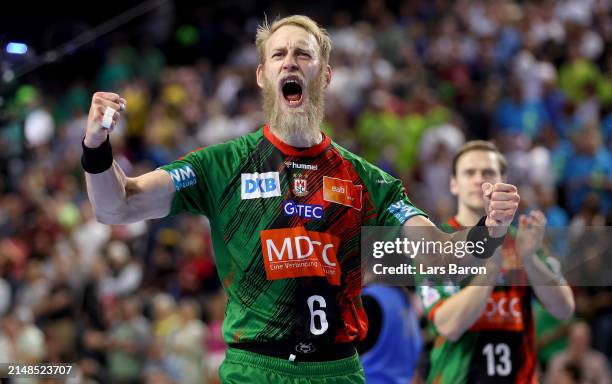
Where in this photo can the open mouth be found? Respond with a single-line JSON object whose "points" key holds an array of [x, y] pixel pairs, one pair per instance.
{"points": [[292, 91]]}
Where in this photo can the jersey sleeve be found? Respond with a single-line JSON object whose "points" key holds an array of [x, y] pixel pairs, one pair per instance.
{"points": [[391, 202], [193, 191], [203, 176]]}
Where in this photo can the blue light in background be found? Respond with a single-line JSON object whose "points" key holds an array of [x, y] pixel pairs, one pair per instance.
{"points": [[16, 48]]}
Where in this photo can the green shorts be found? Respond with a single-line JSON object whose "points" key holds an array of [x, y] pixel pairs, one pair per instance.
{"points": [[240, 367]]}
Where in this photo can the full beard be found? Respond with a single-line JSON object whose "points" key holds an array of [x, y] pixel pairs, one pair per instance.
{"points": [[305, 121]]}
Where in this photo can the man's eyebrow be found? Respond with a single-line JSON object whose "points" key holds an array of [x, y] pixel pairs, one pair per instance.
{"points": [[485, 169], [304, 49]]}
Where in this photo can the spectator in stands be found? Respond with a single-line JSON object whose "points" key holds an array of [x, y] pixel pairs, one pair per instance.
{"points": [[579, 360]]}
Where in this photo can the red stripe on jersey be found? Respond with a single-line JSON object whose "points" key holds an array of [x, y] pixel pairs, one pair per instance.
{"points": [[349, 227], [527, 373]]}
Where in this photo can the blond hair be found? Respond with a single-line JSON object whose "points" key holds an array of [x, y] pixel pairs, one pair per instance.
{"points": [[480, 145], [265, 30]]}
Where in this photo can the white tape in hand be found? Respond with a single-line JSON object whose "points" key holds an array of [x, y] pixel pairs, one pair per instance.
{"points": [[107, 120]]}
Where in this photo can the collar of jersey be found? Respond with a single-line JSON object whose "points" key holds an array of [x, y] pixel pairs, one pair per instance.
{"points": [[289, 150]]}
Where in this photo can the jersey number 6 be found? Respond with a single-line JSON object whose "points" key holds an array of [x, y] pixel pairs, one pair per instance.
{"points": [[317, 313]]}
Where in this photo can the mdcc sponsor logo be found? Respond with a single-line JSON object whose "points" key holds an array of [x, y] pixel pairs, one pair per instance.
{"points": [[504, 307], [503, 312], [296, 252]]}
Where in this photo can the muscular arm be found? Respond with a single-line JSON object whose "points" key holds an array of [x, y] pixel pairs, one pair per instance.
{"points": [[460, 311], [118, 199], [550, 287], [554, 294]]}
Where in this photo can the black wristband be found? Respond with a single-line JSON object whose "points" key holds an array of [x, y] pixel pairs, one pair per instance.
{"points": [[97, 160], [480, 233]]}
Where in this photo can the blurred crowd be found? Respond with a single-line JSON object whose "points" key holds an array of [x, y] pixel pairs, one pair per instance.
{"points": [[412, 81]]}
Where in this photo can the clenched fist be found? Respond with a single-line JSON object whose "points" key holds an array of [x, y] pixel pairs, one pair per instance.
{"points": [[105, 108], [501, 202]]}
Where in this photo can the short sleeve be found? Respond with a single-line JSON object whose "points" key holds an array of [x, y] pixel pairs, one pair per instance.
{"points": [[193, 192], [394, 207]]}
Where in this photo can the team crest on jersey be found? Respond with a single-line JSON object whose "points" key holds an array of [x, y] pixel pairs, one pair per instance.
{"points": [[300, 185]]}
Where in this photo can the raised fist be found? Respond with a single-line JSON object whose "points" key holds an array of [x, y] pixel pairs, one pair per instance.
{"points": [[501, 202], [103, 116]]}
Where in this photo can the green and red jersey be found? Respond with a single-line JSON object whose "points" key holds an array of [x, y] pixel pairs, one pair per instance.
{"points": [[285, 225], [499, 347]]}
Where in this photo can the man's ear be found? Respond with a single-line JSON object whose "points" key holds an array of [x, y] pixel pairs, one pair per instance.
{"points": [[454, 190], [328, 75], [259, 76]]}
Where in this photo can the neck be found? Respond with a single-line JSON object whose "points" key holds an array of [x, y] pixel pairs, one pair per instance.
{"points": [[301, 139], [467, 216]]}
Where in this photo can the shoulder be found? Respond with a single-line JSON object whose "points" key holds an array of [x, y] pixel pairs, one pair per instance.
{"points": [[364, 167], [215, 162]]}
